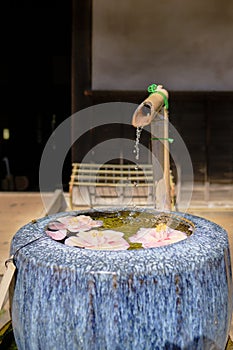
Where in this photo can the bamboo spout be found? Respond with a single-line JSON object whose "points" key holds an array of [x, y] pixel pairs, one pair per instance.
{"points": [[144, 115], [148, 109]]}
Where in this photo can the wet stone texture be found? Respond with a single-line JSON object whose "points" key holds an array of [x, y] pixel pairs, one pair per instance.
{"points": [[173, 297]]}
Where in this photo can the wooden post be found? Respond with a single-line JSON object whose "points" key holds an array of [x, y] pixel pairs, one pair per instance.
{"points": [[157, 150], [166, 168], [161, 162]]}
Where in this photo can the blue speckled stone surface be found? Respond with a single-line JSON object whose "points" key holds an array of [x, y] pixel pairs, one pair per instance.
{"points": [[173, 297]]}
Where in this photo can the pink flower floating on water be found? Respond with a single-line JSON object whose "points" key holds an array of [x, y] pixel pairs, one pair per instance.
{"points": [[58, 229], [158, 236], [85, 236], [94, 239], [80, 223]]}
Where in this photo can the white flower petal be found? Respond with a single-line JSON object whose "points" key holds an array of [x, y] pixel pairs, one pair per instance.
{"points": [[94, 239]]}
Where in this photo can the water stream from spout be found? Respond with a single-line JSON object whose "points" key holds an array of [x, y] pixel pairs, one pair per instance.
{"points": [[136, 145]]}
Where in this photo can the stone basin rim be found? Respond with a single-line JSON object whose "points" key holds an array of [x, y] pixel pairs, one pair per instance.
{"points": [[193, 251]]}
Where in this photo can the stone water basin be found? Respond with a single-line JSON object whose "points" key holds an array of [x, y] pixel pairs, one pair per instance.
{"points": [[126, 295]]}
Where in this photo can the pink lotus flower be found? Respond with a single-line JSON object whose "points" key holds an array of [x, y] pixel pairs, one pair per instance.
{"points": [[58, 229], [94, 239], [156, 237], [56, 225], [79, 223], [57, 235]]}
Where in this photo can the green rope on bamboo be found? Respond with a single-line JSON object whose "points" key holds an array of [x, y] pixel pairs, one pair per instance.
{"points": [[152, 89], [170, 140]]}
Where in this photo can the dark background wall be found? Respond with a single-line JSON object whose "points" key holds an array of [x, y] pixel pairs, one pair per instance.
{"points": [[35, 79], [186, 45]]}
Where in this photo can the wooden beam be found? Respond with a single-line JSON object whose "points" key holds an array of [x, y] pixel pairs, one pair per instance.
{"points": [[81, 55], [81, 61]]}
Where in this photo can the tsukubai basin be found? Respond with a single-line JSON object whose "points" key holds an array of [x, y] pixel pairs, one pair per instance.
{"points": [[177, 296]]}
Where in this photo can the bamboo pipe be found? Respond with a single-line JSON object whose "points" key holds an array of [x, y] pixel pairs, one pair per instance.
{"points": [[148, 109], [144, 115]]}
